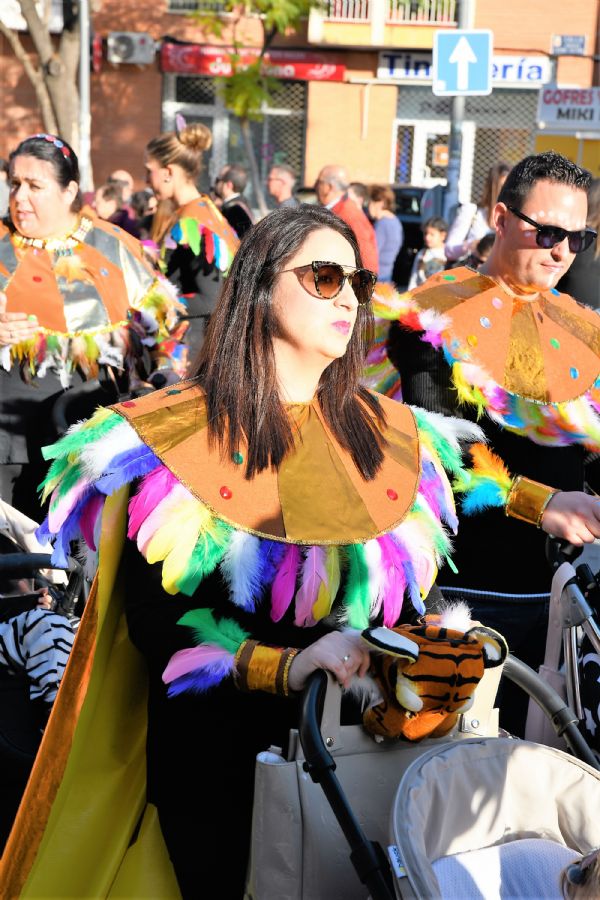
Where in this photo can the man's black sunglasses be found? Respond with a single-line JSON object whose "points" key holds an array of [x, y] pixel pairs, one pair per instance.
{"points": [[548, 236]]}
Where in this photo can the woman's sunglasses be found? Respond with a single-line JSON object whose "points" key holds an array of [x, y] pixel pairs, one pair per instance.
{"points": [[548, 236], [326, 280]]}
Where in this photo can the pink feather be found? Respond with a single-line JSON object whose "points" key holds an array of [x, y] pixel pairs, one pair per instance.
{"points": [[394, 582], [153, 489], [313, 574], [58, 513], [284, 583], [185, 661], [159, 514]]}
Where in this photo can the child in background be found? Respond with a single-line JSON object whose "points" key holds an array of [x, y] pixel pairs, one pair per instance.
{"points": [[431, 258], [481, 252]]}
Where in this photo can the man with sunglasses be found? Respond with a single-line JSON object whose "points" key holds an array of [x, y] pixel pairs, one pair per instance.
{"points": [[504, 347]]}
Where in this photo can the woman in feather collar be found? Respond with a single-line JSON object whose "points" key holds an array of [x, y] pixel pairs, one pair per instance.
{"points": [[273, 501]]}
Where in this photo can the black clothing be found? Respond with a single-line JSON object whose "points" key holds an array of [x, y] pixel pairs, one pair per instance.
{"points": [[582, 281], [203, 747], [198, 284], [238, 214]]}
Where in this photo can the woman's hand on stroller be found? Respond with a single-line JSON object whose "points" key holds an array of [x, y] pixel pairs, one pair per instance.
{"points": [[15, 326], [343, 654], [573, 516]]}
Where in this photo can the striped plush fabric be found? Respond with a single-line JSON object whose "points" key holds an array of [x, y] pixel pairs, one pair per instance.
{"points": [[37, 643]]}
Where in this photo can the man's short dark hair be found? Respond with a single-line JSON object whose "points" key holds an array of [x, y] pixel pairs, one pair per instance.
{"points": [[238, 177], [548, 166]]}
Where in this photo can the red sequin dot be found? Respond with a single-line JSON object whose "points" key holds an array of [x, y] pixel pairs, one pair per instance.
{"points": [[392, 494], [128, 403], [37, 278], [226, 493]]}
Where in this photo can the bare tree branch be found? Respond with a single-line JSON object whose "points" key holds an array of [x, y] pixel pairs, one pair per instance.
{"points": [[35, 76]]}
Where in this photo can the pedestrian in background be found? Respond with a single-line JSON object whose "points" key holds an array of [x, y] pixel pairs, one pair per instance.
{"points": [[229, 186], [388, 228], [432, 257], [280, 185], [473, 220], [583, 278], [331, 188], [359, 194]]}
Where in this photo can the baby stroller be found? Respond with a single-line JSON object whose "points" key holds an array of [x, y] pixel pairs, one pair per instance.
{"points": [[466, 813], [39, 612]]}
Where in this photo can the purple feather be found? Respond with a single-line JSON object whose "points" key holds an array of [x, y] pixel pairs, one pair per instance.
{"points": [[152, 490], [69, 531], [284, 584], [271, 554], [127, 466], [43, 533], [200, 680], [89, 517], [392, 559], [429, 488]]}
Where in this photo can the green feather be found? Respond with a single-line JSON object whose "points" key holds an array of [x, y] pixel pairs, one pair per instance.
{"points": [[103, 421], [72, 475], [357, 587], [53, 476], [225, 633], [206, 556], [449, 455], [192, 234]]}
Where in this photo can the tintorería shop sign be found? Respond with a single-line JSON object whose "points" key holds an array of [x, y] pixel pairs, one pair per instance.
{"points": [[569, 109], [410, 67]]}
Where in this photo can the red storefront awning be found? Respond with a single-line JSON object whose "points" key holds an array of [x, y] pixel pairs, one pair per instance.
{"points": [[194, 59]]}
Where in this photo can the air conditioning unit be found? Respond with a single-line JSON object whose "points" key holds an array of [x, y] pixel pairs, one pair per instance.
{"points": [[135, 47]]}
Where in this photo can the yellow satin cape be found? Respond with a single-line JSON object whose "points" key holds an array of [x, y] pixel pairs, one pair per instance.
{"points": [[83, 828]]}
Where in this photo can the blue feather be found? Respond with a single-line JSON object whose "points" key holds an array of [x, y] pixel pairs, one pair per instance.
{"points": [[483, 496], [203, 679], [128, 466]]}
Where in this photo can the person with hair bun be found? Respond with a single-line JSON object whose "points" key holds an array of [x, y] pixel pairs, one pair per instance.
{"points": [[196, 244], [77, 302]]}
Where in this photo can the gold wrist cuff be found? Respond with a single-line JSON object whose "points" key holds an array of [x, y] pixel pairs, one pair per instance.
{"points": [[263, 668], [527, 500]]}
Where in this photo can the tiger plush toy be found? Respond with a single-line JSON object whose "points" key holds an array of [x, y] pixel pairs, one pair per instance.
{"points": [[427, 674]]}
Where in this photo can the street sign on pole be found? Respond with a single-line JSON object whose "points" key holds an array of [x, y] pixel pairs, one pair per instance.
{"points": [[462, 63]]}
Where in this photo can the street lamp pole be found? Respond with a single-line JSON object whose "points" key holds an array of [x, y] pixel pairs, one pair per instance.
{"points": [[85, 167], [451, 196]]}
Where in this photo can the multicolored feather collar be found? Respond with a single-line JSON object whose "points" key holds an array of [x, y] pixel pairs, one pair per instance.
{"points": [[95, 298], [386, 537], [533, 366], [199, 226]]}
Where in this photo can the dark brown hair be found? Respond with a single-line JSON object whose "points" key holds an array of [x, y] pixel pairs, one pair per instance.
{"points": [[383, 192], [53, 149], [236, 365]]}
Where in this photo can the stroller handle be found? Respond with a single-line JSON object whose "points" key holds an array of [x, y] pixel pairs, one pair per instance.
{"points": [[563, 719], [368, 858], [26, 563]]}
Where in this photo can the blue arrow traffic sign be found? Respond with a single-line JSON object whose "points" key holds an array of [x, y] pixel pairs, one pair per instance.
{"points": [[462, 63]]}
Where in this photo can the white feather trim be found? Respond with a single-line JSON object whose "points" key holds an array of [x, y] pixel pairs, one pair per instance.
{"points": [[454, 430], [456, 616], [96, 456]]}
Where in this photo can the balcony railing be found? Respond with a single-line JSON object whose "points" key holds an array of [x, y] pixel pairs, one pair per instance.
{"points": [[410, 12], [428, 12], [349, 10]]}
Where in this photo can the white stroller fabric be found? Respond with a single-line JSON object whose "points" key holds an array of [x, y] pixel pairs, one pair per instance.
{"points": [[529, 868], [21, 530], [474, 794]]}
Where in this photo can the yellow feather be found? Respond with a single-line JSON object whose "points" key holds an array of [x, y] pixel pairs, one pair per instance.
{"points": [[328, 589]]}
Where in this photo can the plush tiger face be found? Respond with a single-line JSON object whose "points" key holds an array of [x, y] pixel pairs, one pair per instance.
{"points": [[427, 674]]}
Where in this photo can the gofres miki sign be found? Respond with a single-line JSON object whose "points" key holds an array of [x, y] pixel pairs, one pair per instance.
{"points": [[569, 109]]}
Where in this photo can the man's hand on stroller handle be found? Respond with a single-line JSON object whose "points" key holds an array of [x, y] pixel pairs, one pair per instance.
{"points": [[573, 516], [342, 653]]}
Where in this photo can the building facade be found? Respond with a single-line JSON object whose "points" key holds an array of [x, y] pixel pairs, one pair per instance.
{"points": [[355, 88]]}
